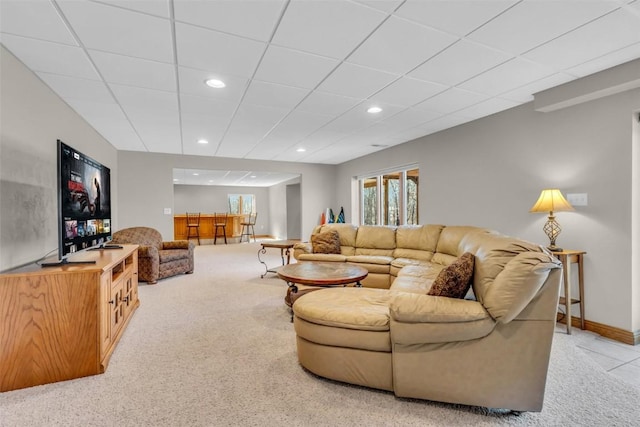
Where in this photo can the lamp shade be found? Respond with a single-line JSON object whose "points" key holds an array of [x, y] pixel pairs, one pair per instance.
{"points": [[551, 200]]}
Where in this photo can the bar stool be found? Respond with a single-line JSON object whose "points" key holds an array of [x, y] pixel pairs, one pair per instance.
{"points": [[250, 222], [220, 221], [193, 223]]}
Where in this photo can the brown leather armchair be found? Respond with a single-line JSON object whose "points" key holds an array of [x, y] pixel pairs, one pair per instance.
{"points": [[157, 259]]}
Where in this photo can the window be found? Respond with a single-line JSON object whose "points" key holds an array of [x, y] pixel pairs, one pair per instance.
{"points": [[390, 198], [242, 204]]}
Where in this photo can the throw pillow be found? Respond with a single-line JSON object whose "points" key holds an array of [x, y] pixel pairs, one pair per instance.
{"points": [[327, 242], [454, 281]]}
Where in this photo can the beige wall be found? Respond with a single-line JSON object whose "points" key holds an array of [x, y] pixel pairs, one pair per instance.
{"points": [[490, 172], [32, 118]]}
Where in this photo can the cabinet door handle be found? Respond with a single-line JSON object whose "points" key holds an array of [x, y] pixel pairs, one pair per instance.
{"points": [[112, 302]]}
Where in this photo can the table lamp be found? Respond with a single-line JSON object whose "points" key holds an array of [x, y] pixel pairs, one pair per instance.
{"points": [[550, 201]]}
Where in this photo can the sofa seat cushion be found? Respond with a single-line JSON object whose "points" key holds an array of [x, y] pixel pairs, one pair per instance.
{"points": [[413, 284], [350, 308], [322, 257], [375, 341], [370, 259], [169, 255]]}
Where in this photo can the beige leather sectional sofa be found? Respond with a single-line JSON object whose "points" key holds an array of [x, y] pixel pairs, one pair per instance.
{"points": [[490, 349]]}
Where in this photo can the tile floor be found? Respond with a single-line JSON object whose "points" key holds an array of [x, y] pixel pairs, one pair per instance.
{"points": [[620, 360]]}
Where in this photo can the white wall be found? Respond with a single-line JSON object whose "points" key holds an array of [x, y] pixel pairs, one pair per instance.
{"points": [[147, 183], [490, 172], [32, 118]]}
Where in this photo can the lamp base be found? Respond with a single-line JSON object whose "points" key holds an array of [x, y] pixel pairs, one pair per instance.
{"points": [[554, 249]]}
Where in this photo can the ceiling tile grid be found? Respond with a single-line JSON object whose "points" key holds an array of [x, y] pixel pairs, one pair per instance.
{"points": [[302, 74]]}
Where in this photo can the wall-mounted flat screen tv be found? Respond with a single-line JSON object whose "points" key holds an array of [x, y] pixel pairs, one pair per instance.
{"points": [[84, 202]]}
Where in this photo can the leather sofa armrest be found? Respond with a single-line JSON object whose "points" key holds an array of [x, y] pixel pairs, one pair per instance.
{"points": [[176, 244], [302, 248], [421, 319]]}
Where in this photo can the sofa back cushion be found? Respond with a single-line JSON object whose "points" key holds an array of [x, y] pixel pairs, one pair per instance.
{"points": [[449, 241], [375, 240], [347, 234], [417, 241], [508, 272], [143, 236]]}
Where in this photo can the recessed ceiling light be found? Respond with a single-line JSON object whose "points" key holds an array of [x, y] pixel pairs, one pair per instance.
{"points": [[215, 83], [196, 174], [203, 141], [253, 176], [175, 180], [301, 150], [374, 110]]}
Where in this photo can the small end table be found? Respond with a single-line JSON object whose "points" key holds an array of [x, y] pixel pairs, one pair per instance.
{"points": [[285, 250], [568, 257]]}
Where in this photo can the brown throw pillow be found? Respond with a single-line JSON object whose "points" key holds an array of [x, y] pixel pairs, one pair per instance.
{"points": [[454, 281], [327, 242]]}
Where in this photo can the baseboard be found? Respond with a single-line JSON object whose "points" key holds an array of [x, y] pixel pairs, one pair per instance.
{"points": [[611, 332]]}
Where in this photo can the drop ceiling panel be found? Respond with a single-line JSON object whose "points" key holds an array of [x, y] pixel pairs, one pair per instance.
{"points": [[459, 62], [294, 68], [532, 23], [603, 62], [77, 88], [399, 46], [270, 94], [156, 7], [328, 28], [159, 138], [452, 100], [407, 91], [253, 19], [120, 133], [135, 71], [486, 108], [409, 118], [356, 81], [525, 93], [35, 19], [591, 41], [458, 17], [198, 106], [52, 58], [154, 101], [192, 82], [298, 125], [190, 145], [117, 30], [508, 76], [327, 103], [387, 6], [217, 52]]}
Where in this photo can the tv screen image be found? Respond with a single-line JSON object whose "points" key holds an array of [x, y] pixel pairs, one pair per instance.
{"points": [[84, 202]]}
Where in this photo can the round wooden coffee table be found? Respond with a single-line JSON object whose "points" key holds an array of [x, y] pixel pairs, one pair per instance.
{"points": [[320, 275]]}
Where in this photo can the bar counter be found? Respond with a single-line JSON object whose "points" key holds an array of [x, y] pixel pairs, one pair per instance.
{"points": [[207, 227]]}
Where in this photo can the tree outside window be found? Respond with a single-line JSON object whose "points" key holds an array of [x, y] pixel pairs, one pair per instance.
{"points": [[390, 198], [242, 204]]}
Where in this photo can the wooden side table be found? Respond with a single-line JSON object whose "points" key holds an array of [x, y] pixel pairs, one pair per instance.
{"points": [[568, 257], [285, 250]]}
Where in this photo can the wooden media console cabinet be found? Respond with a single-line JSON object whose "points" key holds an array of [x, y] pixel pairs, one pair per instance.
{"points": [[59, 323]]}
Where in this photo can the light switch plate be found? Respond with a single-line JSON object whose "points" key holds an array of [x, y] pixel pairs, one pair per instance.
{"points": [[167, 211], [578, 199]]}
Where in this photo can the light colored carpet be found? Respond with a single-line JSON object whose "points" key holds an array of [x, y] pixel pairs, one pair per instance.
{"points": [[217, 348]]}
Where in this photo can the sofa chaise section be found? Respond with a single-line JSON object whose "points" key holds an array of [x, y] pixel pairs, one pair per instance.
{"points": [[492, 350]]}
